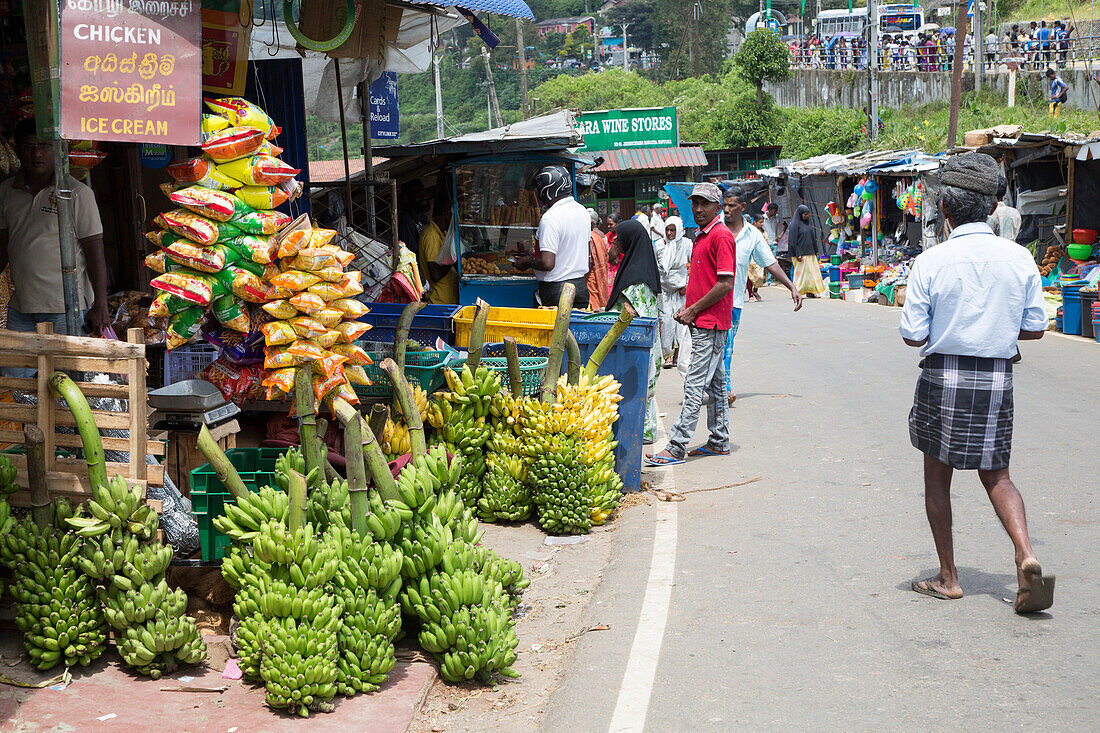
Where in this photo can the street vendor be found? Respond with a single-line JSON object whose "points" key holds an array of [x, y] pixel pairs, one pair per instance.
{"points": [[30, 242], [562, 239], [438, 275]]}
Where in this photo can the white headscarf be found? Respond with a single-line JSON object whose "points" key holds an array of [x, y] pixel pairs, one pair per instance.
{"points": [[673, 255]]}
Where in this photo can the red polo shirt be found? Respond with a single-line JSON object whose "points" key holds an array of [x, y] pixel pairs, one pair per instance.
{"points": [[711, 257]]}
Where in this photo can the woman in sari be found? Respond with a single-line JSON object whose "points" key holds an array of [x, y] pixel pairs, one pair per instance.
{"points": [[804, 249], [638, 282]]}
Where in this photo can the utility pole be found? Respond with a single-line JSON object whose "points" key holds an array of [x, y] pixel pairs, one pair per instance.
{"points": [[696, 11], [956, 76], [523, 67], [438, 87], [492, 86], [979, 46], [626, 54], [872, 71]]}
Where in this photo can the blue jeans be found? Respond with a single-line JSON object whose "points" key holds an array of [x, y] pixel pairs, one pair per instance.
{"points": [[727, 354], [27, 323]]}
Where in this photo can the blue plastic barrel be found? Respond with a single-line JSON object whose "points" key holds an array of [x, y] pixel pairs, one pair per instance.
{"points": [[1071, 310], [834, 273], [628, 362]]}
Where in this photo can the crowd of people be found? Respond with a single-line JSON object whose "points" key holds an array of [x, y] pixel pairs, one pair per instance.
{"points": [[1037, 46]]}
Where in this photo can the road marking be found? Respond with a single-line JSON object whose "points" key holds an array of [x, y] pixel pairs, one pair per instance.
{"points": [[641, 666]]}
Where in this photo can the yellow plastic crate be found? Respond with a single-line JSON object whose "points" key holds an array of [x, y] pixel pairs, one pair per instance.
{"points": [[532, 326]]}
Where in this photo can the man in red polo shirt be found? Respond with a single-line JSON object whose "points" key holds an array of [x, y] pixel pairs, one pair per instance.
{"points": [[708, 315]]}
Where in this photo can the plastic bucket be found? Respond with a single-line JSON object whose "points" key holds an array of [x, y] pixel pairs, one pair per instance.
{"points": [[629, 362], [1088, 308], [834, 259], [1071, 311], [1096, 329], [834, 274]]}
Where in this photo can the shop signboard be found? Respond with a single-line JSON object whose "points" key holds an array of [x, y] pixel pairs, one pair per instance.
{"points": [[616, 129], [131, 71], [154, 156], [225, 39], [384, 122]]}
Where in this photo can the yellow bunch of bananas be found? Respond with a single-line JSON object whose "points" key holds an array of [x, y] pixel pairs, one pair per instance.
{"points": [[395, 438], [420, 397]]}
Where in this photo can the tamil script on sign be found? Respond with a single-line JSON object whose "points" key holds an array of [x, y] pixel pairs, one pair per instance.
{"points": [[131, 70]]}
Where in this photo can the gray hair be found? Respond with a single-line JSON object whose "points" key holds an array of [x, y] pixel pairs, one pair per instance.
{"points": [[595, 217], [966, 207]]}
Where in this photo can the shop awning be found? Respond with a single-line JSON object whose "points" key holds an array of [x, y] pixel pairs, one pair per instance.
{"points": [[635, 159], [513, 8]]}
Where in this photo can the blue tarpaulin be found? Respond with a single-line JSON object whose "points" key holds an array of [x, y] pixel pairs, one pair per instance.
{"points": [[680, 193], [513, 8]]}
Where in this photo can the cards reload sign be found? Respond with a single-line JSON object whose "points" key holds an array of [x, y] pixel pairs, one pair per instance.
{"points": [[131, 70]]}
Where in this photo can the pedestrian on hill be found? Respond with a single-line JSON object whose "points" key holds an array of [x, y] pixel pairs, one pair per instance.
{"points": [[672, 260], [991, 49], [805, 247], [1059, 92], [596, 279], [638, 282], [707, 314], [562, 239], [963, 407]]}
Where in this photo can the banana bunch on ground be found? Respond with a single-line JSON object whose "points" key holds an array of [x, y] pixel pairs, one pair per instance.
{"points": [[505, 494], [242, 519], [492, 566], [395, 439], [472, 387], [605, 489], [367, 585], [154, 633], [466, 618], [7, 476], [506, 411], [55, 603], [464, 431], [593, 404], [559, 481], [293, 460]]}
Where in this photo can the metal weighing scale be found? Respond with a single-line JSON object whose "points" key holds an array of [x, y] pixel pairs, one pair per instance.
{"points": [[190, 404]]}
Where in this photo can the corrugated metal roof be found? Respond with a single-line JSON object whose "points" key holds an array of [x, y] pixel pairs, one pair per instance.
{"points": [[634, 159], [513, 8]]}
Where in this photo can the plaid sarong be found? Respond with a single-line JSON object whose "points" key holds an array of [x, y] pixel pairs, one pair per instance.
{"points": [[962, 411]]}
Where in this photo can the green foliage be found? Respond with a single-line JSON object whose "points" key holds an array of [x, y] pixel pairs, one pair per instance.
{"points": [[742, 122], [640, 14], [609, 89], [817, 131], [676, 29], [762, 57]]}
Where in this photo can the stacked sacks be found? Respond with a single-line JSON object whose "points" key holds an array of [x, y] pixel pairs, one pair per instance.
{"points": [[155, 635], [216, 248], [55, 603], [313, 300]]}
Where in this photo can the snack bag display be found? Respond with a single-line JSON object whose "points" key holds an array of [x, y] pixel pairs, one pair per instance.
{"points": [[194, 287], [258, 170], [270, 148], [248, 285], [293, 242], [280, 309], [155, 262], [305, 350], [280, 379], [260, 250], [296, 280], [351, 331], [307, 303], [183, 327], [323, 385], [194, 227], [169, 187], [328, 317], [202, 172], [242, 112], [356, 374], [307, 327], [204, 259], [350, 307], [355, 353], [261, 222], [232, 143], [346, 393], [330, 274], [216, 205], [262, 197], [327, 340], [166, 304], [213, 123], [278, 333], [280, 358], [329, 364], [327, 291], [232, 313]]}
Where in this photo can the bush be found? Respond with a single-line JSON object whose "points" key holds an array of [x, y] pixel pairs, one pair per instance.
{"points": [[817, 131], [739, 122]]}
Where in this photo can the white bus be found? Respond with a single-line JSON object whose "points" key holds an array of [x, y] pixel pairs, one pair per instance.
{"points": [[894, 19]]}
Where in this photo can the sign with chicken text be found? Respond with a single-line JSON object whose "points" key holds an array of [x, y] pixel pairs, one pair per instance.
{"points": [[131, 71]]}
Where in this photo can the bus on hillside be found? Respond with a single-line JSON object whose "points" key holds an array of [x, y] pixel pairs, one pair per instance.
{"points": [[894, 19]]}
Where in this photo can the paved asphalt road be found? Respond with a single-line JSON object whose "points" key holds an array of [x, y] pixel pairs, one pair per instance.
{"points": [[791, 606]]}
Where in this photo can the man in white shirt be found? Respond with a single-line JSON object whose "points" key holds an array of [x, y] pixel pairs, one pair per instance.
{"points": [[969, 301], [657, 225], [562, 239], [1005, 221]]}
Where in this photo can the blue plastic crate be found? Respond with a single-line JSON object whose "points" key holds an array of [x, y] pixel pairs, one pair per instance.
{"points": [[431, 323]]}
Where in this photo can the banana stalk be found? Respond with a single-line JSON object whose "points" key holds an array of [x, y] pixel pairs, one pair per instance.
{"points": [[221, 464], [35, 442], [377, 464], [357, 472], [403, 393], [557, 343], [609, 340], [61, 386], [331, 474], [296, 489], [574, 352], [304, 403], [379, 414], [401, 333], [515, 377], [477, 335]]}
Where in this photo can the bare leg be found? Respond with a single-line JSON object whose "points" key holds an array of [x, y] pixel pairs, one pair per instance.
{"points": [[937, 504], [1009, 506]]}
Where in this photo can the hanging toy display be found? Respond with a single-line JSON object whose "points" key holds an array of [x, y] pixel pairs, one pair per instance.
{"points": [[837, 219], [867, 202], [908, 198]]}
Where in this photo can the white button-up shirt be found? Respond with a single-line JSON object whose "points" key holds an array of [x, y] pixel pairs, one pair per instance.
{"points": [[751, 246], [972, 295]]}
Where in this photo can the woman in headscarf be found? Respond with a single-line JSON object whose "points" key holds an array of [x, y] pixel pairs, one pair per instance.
{"points": [[672, 260], [804, 249], [638, 283]]}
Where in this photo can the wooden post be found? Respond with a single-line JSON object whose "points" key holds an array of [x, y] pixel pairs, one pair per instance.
{"points": [[1069, 196], [34, 442], [139, 412], [46, 401]]}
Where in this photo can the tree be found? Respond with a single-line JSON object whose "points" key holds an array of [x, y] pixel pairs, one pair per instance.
{"points": [[710, 48], [742, 122], [639, 14], [762, 57]]}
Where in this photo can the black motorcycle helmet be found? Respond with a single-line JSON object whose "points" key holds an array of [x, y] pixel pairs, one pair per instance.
{"points": [[552, 183]]}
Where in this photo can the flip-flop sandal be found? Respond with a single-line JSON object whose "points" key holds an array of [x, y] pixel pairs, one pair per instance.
{"points": [[658, 460], [1040, 593], [706, 450], [925, 588]]}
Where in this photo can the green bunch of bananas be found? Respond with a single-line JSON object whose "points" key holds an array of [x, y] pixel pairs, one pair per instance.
{"points": [[473, 388], [55, 603], [560, 487], [507, 572], [154, 633], [503, 495], [298, 666], [293, 460], [605, 488], [367, 584], [329, 502], [7, 476], [242, 519]]}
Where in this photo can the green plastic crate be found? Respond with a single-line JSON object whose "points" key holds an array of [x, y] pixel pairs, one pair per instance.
{"points": [[423, 368], [531, 371], [209, 496]]}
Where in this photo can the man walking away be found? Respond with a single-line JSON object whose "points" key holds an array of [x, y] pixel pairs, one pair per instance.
{"points": [[562, 238], [1005, 221], [963, 408], [1059, 92], [707, 316]]}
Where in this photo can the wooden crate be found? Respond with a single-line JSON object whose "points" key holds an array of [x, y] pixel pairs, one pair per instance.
{"points": [[184, 454], [47, 352]]}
